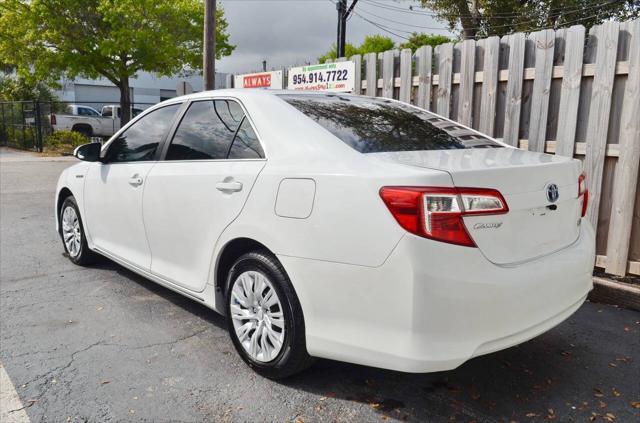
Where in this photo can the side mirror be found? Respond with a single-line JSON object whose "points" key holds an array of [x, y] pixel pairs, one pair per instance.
{"points": [[88, 152]]}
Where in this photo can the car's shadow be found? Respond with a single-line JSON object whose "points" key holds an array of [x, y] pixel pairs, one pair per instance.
{"points": [[502, 386], [187, 304], [546, 379]]}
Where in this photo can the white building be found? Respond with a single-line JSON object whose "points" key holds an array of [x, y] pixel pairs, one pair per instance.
{"points": [[146, 89]]}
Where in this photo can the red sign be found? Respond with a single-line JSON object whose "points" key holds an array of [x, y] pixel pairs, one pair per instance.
{"points": [[258, 80]]}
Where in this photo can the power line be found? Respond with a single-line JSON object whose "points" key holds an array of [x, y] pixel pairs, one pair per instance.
{"points": [[552, 15], [398, 22], [496, 14], [382, 27], [386, 28], [399, 9], [391, 30], [395, 31], [564, 24], [411, 10]]}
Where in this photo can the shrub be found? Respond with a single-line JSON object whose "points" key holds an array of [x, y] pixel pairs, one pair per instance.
{"points": [[65, 140], [21, 138]]}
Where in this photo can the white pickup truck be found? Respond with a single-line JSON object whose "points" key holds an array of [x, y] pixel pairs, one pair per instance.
{"points": [[88, 121]]}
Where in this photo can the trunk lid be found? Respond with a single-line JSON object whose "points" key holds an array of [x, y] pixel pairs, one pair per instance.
{"points": [[534, 225]]}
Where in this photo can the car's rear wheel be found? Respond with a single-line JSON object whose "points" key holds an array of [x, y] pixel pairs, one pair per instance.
{"points": [[73, 235], [85, 130], [265, 319]]}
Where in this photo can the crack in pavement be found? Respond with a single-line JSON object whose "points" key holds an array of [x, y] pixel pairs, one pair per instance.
{"points": [[61, 368], [45, 387], [102, 343]]}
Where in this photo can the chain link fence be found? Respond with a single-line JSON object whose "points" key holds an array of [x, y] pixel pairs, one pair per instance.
{"points": [[26, 125]]}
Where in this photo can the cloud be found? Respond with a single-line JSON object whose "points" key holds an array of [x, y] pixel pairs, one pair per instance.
{"points": [[293, 32]]}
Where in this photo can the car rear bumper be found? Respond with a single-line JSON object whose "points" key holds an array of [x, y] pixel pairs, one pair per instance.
{"points": [[432, 306]]}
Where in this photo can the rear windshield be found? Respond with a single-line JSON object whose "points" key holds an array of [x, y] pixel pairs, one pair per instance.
{"points": [[374, 125]]}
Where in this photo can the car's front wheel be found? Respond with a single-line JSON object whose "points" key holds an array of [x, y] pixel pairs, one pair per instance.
{"points": [[264, 317], [72, 233]]}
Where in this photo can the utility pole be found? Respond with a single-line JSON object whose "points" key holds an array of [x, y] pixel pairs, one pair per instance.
{"points": [[341, 6], [343, 15], [209, 54]]}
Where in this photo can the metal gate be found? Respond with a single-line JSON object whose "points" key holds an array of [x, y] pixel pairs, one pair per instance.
{"points": [[24, 124]]}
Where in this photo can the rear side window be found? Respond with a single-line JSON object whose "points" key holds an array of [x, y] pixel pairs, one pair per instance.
{"points": [[214, 130], [373, 125], [229, 112], [246, 144], [140, 141]]}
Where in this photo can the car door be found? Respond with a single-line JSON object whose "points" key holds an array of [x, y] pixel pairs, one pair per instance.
{"points": [[113, 188], [110, 123], [199, 188]]}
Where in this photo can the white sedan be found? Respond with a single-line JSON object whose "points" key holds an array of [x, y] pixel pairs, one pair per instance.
{"points": [[327, 225]]}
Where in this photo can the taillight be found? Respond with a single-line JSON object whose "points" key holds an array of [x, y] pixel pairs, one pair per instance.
{"points": [[53, 120], [437, 213], [583, 192]]}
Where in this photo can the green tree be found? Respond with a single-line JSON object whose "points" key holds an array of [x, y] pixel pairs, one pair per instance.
{"points": [[110, 38], [376, 44], [482, 18], [349, 50], [371, 44], [417, 40], [14, 87]]}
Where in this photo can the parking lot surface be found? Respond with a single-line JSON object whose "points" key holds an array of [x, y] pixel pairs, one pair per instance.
{"points": [[103, 344]]}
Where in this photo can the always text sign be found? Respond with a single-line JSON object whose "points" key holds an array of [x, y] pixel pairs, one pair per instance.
{"points": [[259, 80]]}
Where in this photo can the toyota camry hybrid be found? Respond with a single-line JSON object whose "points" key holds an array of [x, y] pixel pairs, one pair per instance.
{"points": [[338, 226]]}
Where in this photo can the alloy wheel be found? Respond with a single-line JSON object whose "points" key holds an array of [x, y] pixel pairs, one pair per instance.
{"points": [[71, 233], [257, 315]]}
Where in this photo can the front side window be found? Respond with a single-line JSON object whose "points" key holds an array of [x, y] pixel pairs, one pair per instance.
{"points": [[140, 141], [84, 111], [373, 125], [211, 130]]}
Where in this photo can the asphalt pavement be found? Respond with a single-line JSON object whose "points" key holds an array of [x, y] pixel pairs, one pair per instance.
{"points": [[103, 344]]}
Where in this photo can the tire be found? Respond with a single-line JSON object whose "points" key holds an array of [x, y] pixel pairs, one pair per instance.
{"points": [[84, 130], [264, 326], [71, 226]]}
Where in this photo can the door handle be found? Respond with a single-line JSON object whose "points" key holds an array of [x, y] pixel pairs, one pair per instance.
{"points": [[135, 181], [233, 186]]}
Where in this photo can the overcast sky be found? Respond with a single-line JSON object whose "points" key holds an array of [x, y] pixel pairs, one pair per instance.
{"points": [[294, 32]]}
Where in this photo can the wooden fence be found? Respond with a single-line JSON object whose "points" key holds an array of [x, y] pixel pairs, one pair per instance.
{"points": [[562, 92]]}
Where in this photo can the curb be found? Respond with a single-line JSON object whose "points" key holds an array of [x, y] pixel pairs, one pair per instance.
{"points": [[617, 293]]}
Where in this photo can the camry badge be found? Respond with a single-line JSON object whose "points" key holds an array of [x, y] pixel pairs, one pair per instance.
{"points": [[552, 193], [489, 225]]}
